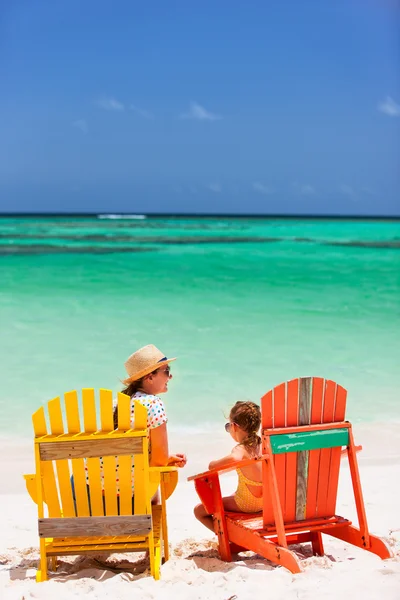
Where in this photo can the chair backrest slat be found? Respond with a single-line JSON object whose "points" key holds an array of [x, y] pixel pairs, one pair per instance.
{"points": [[62, 465], [80, 486], [140, 416], [39, 422], [77, 464], [142, 498], [72, 411], [292, 412], [125, 484], [267, 412], [95, 490], [110, 485], [124, 412], [307, 480], [106, 410], [125, 462], [292, 419], [89, 410], [318, 387], [326, 453], [303, 457], [305, 401], [280, 405], [317, 400], [50, 491], [340, 404], [110, 472], [55, 416], [339, 415], [280, 421]]}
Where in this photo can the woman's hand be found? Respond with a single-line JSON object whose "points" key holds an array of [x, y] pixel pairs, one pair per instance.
{"points": [[177, 460]]}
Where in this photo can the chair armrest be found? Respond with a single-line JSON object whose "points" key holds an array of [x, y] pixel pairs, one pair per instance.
{"points": [[208, 487], [30, 482], [356, 448], [168, 477], [236, 465], [163, 469]]}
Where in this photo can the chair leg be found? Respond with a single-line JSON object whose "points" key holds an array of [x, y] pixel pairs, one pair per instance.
{"points": [[352, 535], [151, 554], [165, 543], [41, 574], [266, 548], [157, 562], [53, 563], [317, 544], [220, 530], [164, 525]]}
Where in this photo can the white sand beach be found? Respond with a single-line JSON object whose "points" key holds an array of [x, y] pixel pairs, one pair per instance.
{"points": [[195, 571]]}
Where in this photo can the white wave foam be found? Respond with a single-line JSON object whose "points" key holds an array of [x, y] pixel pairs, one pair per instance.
{"points": [[116, 216]]}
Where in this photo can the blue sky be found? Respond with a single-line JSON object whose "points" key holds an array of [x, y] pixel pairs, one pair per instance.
{"points": [[212, 106]]}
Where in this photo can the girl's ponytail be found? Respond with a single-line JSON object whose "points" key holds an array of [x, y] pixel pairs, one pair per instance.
{"points": [[247, 415]]}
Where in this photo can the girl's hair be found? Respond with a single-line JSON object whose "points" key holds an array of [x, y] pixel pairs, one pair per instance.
{"points": [[247, 415]]}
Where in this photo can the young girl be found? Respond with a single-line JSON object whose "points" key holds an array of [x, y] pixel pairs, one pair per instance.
{"points": [[244, 424]]}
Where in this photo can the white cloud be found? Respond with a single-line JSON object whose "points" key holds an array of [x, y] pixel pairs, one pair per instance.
{"points": [[82, 125], [389, 107], [369, 191], [347, 190], [307, 189], [262, 189], [110, 104], [200, 113], [215, 187], [145, 114]]}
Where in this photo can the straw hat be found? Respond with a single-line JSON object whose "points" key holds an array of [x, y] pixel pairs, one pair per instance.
{"points": [[144, 361]]}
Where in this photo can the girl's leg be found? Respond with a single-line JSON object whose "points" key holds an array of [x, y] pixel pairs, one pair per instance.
{"points": [[230, 504], [202, 515], [206, 519]]}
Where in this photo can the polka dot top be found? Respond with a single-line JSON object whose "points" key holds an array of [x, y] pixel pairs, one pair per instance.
{"points": [[156, 416], [155, 410]]}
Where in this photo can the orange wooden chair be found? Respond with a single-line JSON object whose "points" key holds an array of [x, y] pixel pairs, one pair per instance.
{"points": [[303, 432]]}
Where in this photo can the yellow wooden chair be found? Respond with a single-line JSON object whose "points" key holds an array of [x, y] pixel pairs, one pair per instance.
{"points": [[87, 516]]}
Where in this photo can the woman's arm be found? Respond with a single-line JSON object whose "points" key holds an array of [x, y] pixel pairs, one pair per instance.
{"points": [[159, 446], [159, 449]]}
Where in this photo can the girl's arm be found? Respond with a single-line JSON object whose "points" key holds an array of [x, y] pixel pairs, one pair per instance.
{"points": [[236, 454]]}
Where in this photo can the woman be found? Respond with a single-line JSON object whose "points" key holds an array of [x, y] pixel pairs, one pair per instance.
{"points": [[148, 376]]}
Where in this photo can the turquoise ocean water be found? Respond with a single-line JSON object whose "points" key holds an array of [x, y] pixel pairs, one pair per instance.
{"points": [[244, 304]]}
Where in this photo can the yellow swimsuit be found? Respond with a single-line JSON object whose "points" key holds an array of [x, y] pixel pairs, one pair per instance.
{"points": [[244, 498]]}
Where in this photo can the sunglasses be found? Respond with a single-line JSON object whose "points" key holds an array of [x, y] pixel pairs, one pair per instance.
{"points": [[228, 426], [167, 370]]}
